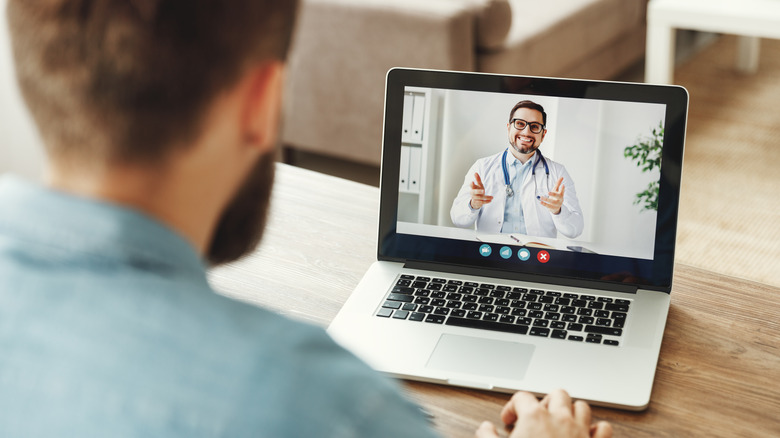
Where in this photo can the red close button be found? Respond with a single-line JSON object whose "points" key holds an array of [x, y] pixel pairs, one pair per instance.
{"points": [[543, 256]]}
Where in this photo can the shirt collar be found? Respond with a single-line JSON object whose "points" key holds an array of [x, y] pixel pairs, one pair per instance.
{"points": [[87, 226]]}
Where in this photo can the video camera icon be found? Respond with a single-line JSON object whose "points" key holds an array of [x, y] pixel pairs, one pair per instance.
{"points": [[485, 250]]}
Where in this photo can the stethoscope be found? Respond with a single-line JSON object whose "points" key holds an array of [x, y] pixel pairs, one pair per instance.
{"points": [[509, 191]]}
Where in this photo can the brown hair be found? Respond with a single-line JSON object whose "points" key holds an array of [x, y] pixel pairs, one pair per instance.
{"points": [[531, 105], [130, 80]]}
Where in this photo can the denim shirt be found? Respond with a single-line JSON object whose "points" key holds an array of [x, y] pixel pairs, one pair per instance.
{"points": [[108, 327]]}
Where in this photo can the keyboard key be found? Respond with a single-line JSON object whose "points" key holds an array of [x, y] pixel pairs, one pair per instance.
{"points": [[595, 305], [553, 294], [587, 297], [474, 315], [571, 296], [486, 308], [420, 284], [441, 311], [438, 294], [438, 302], [503, 310], [611, 342], [541, 323], [585, 312], [481, 292], [471, 284], [426, 309], [579, 303], [612, 331], [439, 280], [623, 302], [601, 314], [450, 288], [535, 306], [619, 323], [576, 338], [435, 319], [490, 317], [536, 314], [552, 316], [407, 277], [558, 334], [537, 291], [454, 296], [403, 290], [384, 312], [455, 282], [485, 300], [503, 288], [523, 321], [460, 313], [605, 299], [586, 320], [409, 306], [487, 286], [558, 325], [401, 314], [617, 307], [568, 310], [470, 306], [508, 319], [425, 279], [575, 327], [417, 316], [569, 318], [503, 302], [487, 325], [538, 331], [422, 300], [604, 322], [562, 301], [434, 286], [452, 304], [403, 282], [593, 340], [391, 305], [400, 297], [546, 299]]}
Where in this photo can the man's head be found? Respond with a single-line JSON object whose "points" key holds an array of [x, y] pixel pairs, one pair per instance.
{"points": [[526, 127], [130, 82]]}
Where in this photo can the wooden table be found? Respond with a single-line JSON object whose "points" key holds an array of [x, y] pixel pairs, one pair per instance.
{"points": [[719, 368]]}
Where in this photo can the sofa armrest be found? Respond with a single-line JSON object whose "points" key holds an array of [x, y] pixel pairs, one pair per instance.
{"points": [[341, 53]]}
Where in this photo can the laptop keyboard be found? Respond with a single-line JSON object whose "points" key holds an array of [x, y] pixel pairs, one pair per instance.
{"points": [[534, 312]]}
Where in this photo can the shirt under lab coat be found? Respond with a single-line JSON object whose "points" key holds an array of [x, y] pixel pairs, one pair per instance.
{"points": [[539, 221]]}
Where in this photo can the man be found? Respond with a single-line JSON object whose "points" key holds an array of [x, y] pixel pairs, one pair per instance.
{"points": [[518, 190], [160, 120]]}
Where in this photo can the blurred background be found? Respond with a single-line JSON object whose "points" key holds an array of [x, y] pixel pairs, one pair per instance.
{"points": [[730, 209]]}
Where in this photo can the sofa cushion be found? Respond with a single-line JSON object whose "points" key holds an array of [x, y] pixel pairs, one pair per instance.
{"points": [[548, 38]]}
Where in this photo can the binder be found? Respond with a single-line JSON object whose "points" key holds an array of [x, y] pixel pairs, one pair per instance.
{"points": [[415, 168], [418, 117], [403, 179], [406, 125]]}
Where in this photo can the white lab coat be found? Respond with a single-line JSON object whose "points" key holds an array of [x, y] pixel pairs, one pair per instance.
{"points": [[539, 221]]}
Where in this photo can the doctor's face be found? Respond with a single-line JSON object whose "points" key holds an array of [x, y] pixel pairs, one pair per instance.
{"points": [[523, 141]]}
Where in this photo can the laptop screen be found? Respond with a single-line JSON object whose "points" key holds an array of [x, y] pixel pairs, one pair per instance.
{"points": [[532, 177]]}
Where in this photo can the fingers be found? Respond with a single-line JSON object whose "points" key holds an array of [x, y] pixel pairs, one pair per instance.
{"points": [[486, 430], [520, 402], [602, 429], [558, 184], [479, 181], [560, 403], [582, 413], [478, 197]]}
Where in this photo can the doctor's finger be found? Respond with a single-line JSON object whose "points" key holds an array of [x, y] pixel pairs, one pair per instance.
{"points": [[558, 184], [478, 180]]}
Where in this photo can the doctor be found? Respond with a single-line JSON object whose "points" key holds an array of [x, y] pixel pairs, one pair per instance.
{"points": [[519, 190]]}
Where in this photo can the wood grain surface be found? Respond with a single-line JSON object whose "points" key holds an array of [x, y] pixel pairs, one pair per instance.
{"points": [[719, 368]]}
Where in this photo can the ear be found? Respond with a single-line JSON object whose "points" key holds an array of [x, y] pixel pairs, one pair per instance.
{"points": [[262, 105]]}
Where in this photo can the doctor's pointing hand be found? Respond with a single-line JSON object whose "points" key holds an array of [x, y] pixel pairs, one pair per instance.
{"points": [[512, 191]]}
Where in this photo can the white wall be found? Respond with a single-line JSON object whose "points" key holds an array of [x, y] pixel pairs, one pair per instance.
{"points": [[21, 150]]}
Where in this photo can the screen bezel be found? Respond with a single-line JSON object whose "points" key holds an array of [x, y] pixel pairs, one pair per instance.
{"points": [[414, 249]]}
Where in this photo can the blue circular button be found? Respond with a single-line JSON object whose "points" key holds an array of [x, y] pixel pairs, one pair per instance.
{"points": [[485, 250], [524, 254], [505, 252]]}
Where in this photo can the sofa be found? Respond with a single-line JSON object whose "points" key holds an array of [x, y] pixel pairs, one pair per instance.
{"points": [[342, 50]]}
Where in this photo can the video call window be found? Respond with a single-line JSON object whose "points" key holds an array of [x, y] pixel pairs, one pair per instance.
{"points": [[606, 154]]}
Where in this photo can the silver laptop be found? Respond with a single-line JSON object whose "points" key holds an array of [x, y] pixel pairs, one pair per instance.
{"points": [[526, 235]]}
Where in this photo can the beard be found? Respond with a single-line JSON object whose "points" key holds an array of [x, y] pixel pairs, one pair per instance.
{"points": [[524, 149], [240, 227]]}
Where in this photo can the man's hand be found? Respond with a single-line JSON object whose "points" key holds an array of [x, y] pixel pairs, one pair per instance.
{"points": [[554, 417], [478, 197], [554, 199]]}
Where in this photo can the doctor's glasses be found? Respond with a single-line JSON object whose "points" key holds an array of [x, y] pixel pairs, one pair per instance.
{"points": [[534, 127]]}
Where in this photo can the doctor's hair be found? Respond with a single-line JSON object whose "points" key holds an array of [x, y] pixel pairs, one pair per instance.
{"points": [[129, 81], [531, 105]]}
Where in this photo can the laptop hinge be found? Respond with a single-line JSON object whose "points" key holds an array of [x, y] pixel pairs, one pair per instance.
{"points": [[536, 278]]}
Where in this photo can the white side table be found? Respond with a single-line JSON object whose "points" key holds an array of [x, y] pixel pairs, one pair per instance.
{"points": [[751, 19]]}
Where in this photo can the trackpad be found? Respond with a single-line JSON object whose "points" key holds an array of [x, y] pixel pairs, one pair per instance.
{"points": [[480, 356]]}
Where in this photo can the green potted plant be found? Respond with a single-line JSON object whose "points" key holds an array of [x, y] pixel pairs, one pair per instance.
{"points": [[646, 152]]}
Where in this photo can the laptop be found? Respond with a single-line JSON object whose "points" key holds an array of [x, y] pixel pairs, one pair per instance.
{"points": [[517, 295]]}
